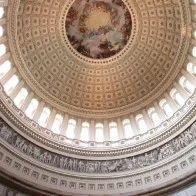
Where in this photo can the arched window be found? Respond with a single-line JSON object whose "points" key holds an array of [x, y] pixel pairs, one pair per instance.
{"points": [[1, 31], [141, 123], [113, 131], [11, 84], [166, 108], [21, 97], [1, 12], [99, 136], [177, 97], [127, 128], [2, 49], [191, 69], [44, 117], [154, 116], [70, 132], [4, 68], [84, 135], [32, 108], [194, 33], [57, 124], [194, 51], [186, 85]]}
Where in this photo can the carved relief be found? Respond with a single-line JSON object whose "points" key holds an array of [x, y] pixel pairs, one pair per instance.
{"points": [[86, 166]]}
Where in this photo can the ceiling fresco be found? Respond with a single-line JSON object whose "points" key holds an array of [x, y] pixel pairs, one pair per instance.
{"points": [[98, 29]]}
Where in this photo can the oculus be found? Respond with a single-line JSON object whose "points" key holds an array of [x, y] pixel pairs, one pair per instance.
{"points": [[98, 29]]}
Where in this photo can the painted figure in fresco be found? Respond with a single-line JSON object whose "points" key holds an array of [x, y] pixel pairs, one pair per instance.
{"points": [[81, 166], [24, 147], [97, 166], [36, 152], [114, 166], [177, 145], [188, 136], [70, 164], [30, 149], [71, 16], [182, 142], [104, 167], [5, 132], [193, 130], [62, 163], [55, 160]]}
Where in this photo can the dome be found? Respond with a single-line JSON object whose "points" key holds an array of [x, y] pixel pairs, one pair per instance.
{"points": [[101, 93]]}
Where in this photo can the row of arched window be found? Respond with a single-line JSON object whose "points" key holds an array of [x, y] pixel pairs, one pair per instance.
{"points": [[30, 111]]}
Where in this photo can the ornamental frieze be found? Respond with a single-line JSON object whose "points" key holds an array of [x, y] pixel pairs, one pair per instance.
{"points": [[86, 166]]}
